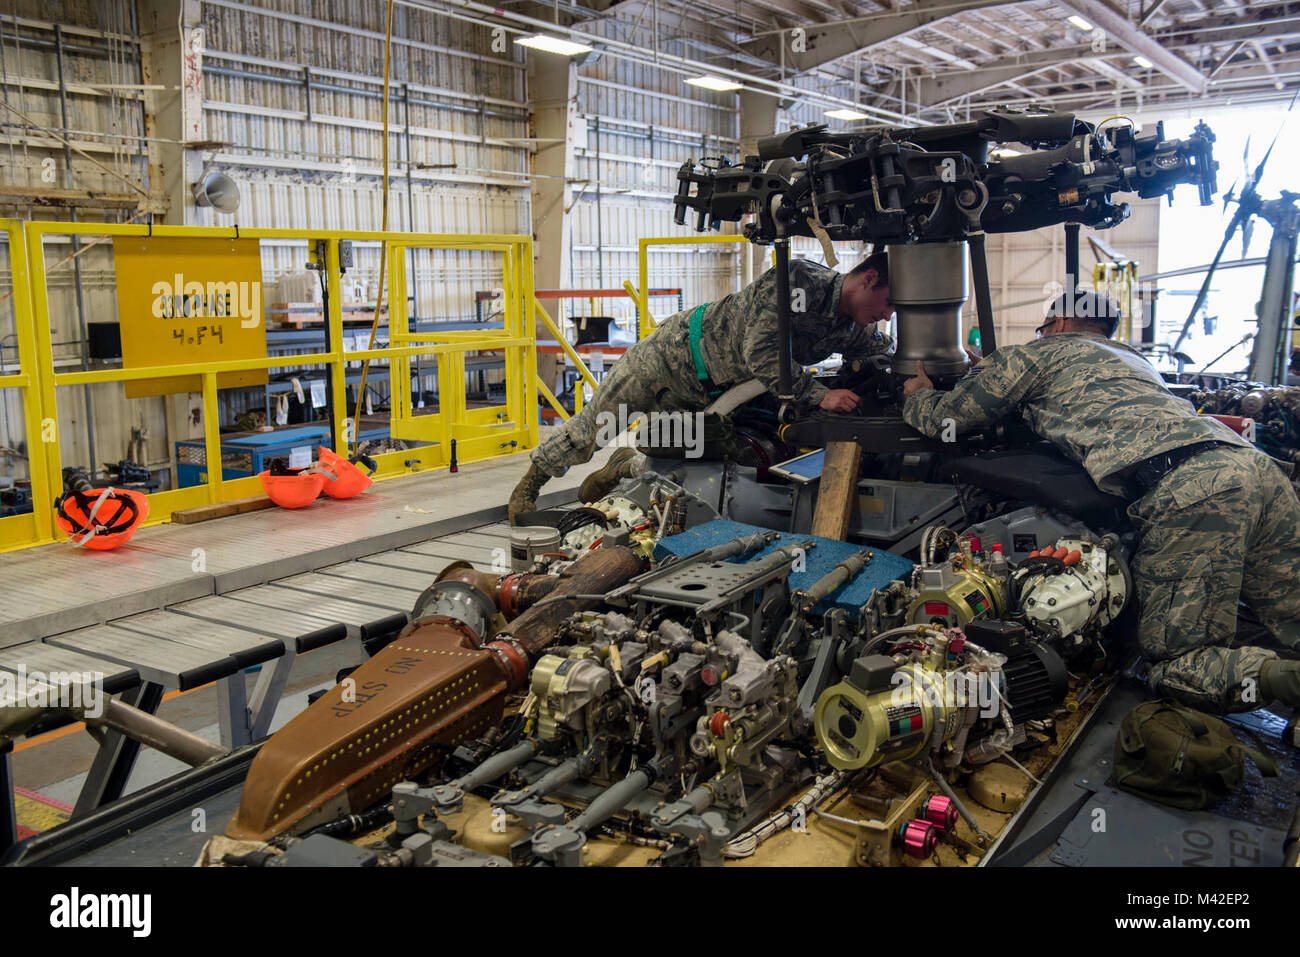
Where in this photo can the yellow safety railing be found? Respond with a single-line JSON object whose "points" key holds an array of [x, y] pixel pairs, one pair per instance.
{"points": [[574, 357], [479, 433], [1119, 281], [37, 525], [645, 322]]}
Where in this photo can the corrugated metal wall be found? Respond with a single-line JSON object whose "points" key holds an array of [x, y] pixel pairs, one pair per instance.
{"points": [[105, 116], [642, 124], [1023, 267], [457, 121]]}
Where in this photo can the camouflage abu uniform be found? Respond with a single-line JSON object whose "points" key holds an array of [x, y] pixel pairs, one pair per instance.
{"points": [[1223, 524], [738, 344]]}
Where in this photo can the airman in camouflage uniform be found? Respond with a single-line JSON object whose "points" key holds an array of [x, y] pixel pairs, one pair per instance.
{"points": [[831, 313], [1222, 524]]}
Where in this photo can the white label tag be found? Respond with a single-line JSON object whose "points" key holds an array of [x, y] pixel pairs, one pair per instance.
{"points": [[318, 394], [300, 457], [596, 361]]}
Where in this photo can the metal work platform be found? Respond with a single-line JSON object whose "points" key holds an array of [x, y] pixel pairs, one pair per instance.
{"points": [[54, 589], [274, 584]]}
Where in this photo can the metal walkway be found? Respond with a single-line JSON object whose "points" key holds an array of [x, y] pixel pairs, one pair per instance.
{"points": [[217, 637], [187, 605]]}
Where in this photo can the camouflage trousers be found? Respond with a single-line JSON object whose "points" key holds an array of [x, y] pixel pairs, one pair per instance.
{"points": [[1223, 526], [655, 375]]}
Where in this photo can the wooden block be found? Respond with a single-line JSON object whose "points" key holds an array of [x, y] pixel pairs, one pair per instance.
{"points": [[238, 506], [299, 315], [838, 490]]}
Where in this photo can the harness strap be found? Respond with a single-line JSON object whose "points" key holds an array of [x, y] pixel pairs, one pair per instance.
{"points": [[90, 505], [696, 334]]}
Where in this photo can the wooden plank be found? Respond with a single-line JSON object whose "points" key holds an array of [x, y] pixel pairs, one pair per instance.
{"points": [[838, 491], [48, 196], [237, 506]]}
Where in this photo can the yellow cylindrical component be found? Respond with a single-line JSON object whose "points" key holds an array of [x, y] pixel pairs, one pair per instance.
{"points": [[973, 594], [858, 729]]}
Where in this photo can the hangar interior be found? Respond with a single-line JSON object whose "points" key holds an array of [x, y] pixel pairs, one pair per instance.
{"points": [[376, 258]]}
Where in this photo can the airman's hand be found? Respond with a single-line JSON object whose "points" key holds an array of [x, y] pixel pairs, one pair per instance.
{"points": [[919, 381], [840, 400], [972, 355]]}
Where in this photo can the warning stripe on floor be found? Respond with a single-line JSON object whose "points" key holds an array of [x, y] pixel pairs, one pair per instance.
{"points": [[36, 812]]}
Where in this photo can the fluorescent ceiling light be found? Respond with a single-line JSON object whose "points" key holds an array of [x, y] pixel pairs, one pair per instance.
{"points": [[1079, 22], [714, 83], [540, 41], [1143, 62], [842, 114]]}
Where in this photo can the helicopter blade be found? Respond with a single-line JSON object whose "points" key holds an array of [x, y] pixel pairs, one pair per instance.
{"points": [[1237, 218]]}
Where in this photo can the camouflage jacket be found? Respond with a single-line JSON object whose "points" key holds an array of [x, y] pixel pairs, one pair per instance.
{"points": [[1098, 401], [739, 334]]}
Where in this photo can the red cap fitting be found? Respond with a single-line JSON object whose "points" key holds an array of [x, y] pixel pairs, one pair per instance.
{"points": [[918, 838], [718, 723], [940, 811], [997, 547]]}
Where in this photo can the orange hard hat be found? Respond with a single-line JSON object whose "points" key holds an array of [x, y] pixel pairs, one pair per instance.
{"points": [[296, 490], [101, 519], [342, 479]]}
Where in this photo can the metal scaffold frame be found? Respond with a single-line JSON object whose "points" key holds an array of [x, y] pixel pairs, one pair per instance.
{"points": [[480, 433]]}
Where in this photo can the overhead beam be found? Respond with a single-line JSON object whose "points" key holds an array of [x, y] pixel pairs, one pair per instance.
{"points": [[1225, 59], [1225, 29], [1151, 10], [1118, 28], [826, 42], [945, 87]]}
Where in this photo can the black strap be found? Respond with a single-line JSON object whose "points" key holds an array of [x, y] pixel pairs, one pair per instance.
{"points": [[86, 501], [1151, 470]]}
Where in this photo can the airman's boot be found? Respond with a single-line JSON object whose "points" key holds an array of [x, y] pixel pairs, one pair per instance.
{"points": [[524, 497], [624, 463]]}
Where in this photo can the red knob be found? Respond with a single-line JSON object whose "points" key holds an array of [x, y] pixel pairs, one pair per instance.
{"points": [[940, 811], [919, 838]]}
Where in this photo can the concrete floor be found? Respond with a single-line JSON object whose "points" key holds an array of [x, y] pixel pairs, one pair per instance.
{"points": [[54, 765]]}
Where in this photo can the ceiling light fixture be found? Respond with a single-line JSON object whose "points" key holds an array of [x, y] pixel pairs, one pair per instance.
{"points": [[549, 44], [842, 114], [1143, 62], [1081, 23], [713, 83]]}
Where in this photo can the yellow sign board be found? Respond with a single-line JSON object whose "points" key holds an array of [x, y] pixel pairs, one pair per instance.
{"points": [[182, 301]]}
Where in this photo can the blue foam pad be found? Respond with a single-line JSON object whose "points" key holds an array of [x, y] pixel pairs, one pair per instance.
{"points": [[883, 568]]}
